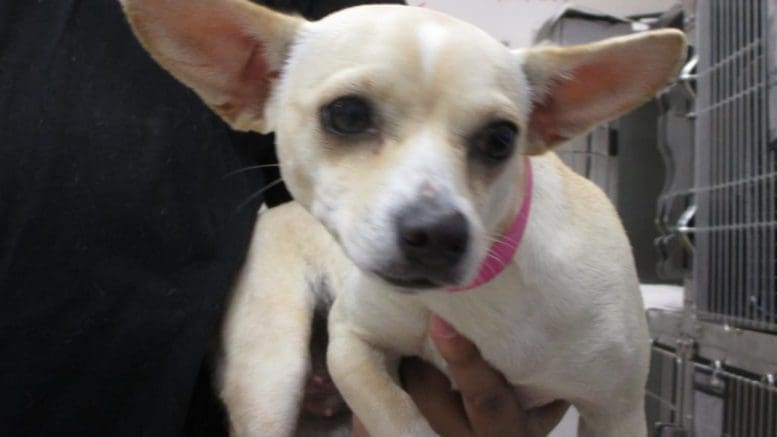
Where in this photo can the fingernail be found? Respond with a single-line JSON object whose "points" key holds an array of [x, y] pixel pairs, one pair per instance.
{"points": [[442, 329]]}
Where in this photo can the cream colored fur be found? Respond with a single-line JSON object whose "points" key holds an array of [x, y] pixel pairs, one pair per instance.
{"points": [[564, 320]]}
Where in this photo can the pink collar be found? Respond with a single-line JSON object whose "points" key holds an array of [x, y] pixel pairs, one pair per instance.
{"points": [[501, 252]]}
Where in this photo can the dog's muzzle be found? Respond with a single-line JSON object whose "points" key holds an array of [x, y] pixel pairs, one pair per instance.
{"points": [[432, 239]]}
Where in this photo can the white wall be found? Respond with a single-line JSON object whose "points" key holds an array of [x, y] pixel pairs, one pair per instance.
{"points": [[515, 21]]}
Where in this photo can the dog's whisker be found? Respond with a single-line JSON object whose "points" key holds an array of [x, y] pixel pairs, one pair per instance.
{"points": [[491, 254], [501, 260], [509, 244], [249, 168], [489, 267], [259, 193], [503, 242], [500, 238], [495, 258]]}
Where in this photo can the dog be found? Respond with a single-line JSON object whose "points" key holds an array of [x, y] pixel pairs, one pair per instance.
{"points": [[418, 150]]}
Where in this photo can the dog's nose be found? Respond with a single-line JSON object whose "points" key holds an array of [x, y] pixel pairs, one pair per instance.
{"points": [[432, 238]]}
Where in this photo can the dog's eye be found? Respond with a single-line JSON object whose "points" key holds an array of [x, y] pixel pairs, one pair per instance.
{"points": [[496, 142], [347, 116]]}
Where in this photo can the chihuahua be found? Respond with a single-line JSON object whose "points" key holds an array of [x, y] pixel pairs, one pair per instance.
{"points": [[418, 151]]}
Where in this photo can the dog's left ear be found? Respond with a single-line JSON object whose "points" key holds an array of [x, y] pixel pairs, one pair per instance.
{"points": [[228, 51], [575, 88]]}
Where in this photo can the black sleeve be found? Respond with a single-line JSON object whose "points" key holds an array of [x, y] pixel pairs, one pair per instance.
{"points": [[123, 222]]}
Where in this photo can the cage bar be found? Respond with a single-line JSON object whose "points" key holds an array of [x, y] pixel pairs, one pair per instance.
{"points": [[736, 225]]}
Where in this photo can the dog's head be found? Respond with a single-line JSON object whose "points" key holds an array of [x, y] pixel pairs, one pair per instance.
{"points": [[400, 128]]}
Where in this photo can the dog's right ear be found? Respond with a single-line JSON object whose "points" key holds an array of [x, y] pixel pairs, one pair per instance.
{"points": [[228, 51]]}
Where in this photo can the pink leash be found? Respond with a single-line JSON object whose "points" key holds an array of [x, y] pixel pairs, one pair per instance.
{"points": [[502, 251]]}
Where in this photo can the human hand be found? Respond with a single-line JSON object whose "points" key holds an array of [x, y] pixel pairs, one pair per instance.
{"points": [[485, 404]]}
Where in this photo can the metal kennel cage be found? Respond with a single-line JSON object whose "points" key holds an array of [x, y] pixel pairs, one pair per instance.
{"points": [[714, 362], [736, 165], [732, 404], [710, 380], [662, 400]]}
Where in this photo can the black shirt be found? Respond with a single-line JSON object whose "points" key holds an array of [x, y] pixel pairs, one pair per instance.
{"points": [[122, 226]]}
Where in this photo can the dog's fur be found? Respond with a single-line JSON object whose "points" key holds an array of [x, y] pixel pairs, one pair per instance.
{"points": [[563, 321]]}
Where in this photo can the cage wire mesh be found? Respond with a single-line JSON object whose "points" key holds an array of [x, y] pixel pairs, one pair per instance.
{"points": [[719, 380], [729, 404], [736, 221], [661, 397]]}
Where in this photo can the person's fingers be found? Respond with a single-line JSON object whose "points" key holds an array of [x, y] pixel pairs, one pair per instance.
{"points": [[357, 428], [489, 400], [490, 403], [432, 394]]}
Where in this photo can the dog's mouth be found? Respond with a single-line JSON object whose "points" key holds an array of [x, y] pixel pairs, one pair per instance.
{"points": [[410, 283]]}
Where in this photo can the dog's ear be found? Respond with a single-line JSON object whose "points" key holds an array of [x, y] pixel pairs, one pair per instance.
{"points": [[228, 51], [575, 88]]}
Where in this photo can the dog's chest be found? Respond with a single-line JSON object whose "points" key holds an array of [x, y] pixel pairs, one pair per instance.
{"points": [[511, 324], [394, 322]]}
